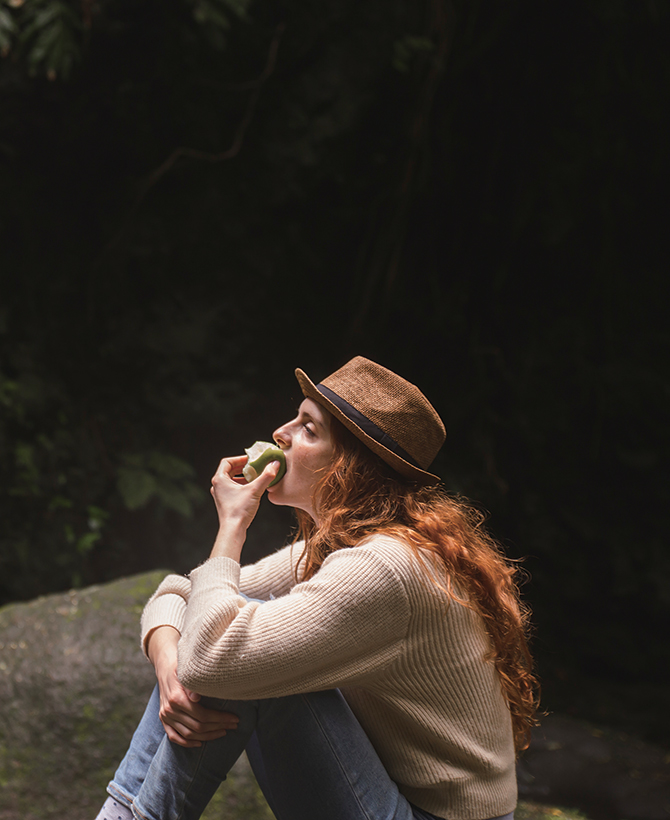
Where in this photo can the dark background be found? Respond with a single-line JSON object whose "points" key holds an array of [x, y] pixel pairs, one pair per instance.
{"points": [[471, 193]]}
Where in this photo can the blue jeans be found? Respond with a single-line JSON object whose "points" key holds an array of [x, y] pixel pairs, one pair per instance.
{"points": [[292, 744]]}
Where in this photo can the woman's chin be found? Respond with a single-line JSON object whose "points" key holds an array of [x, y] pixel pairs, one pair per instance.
{"points": [[275, 494]]}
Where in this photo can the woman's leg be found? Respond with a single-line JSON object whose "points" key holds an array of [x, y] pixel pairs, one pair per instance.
{"points": [[150, 739], [160, 780], [312, 759], [317, 761], [132, 770], [310, 756]]}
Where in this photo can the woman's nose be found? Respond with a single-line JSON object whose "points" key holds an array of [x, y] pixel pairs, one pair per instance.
{"points": [[281, 437]]}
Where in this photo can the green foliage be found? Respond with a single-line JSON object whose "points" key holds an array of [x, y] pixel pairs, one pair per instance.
{"points": [[45, 34], [145, 476], [214, 16], [50, 37], [8, 30], [406, 47], [63, 486]]}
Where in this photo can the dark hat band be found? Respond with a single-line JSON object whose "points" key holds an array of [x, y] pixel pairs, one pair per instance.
{"points": [[366, 425]]}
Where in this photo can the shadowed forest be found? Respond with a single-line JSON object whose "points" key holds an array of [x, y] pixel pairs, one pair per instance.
{"points": [[198, 196]]}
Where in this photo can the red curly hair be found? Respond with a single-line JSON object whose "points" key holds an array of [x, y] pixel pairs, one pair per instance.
{"points": [[359, 495]]}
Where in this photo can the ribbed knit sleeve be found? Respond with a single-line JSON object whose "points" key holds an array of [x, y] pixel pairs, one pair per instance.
{"points": [[270, 577], [328, 632], [166, 607]]}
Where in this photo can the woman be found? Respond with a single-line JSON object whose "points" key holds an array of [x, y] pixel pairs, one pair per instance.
{"points": [[376, 668]]}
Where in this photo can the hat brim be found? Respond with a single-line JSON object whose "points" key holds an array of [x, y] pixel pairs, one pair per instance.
{"points": [[398, 463]]}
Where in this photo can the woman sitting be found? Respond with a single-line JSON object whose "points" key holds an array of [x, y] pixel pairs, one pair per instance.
{"points": [[375, 669]]}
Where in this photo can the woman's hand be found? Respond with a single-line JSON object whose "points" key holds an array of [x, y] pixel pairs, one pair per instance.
{"points": [[185, 721], [237, 503]]}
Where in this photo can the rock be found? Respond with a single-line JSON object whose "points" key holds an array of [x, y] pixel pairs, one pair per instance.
{"points": [[73, 684], [608, 774]]}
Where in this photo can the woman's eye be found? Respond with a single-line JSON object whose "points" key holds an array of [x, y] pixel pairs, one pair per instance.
{"points": [[309, 431]]}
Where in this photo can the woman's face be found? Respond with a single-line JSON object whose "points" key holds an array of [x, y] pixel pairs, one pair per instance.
{"points": [[308, 445]]}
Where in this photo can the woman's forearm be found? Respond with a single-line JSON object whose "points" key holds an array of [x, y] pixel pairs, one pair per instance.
{"points": [[161, 645], [237, 504], [229, 540]]}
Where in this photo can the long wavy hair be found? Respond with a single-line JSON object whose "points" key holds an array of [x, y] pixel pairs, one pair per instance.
{"points": [[359, 495]]}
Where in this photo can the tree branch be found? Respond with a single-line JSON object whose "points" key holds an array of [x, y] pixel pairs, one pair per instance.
{"points": [[242, 127], [205, 156]]}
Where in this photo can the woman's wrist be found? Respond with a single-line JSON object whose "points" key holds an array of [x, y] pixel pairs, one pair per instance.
{"points": [[162, 640], [229, 540]]}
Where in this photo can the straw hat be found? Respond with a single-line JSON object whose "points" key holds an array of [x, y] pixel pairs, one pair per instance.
{"points": [[388, 414]]}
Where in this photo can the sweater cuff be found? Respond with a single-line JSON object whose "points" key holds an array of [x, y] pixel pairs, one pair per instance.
{"points": [[166, 610], [216, 572], [213, 581]]}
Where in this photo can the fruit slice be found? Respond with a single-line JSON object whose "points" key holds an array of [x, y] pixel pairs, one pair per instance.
{"points": [[260, 454]]}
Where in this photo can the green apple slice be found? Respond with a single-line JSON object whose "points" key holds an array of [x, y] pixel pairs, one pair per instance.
{"points": [[260, 454]]}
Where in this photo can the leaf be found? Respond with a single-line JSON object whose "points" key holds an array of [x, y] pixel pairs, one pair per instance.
{"points": [[59, 502], [51, 39], [86, 542], [37, 24], [24, 454], [135, 486], [405, 47], [175, 499], [97, 517], [8, 392], [7, 29], [45, 42], [169, 466]]}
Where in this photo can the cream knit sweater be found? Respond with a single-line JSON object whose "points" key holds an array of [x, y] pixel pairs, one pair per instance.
{"points": [[371, 622]]}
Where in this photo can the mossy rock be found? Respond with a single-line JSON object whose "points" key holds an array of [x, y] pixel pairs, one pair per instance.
{"points": [[73, 685], [536, 811]]}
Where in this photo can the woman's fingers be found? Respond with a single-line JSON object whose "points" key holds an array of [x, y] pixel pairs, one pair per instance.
{"points": [[204, 719], [195, 716], [175, 736], [266, 477], [236, 500], [186, 736], [231, 466], [183, 729], [186, 721]]}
